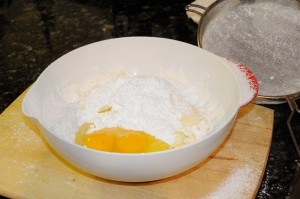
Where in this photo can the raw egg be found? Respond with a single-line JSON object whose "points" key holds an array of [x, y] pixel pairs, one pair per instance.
{"points": [[119, 140]]}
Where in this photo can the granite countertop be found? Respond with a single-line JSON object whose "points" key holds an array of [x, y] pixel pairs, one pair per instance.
{"points": [[35, 33]]}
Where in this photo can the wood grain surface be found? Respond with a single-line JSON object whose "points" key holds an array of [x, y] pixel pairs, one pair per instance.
{"points": [[30, 168]]}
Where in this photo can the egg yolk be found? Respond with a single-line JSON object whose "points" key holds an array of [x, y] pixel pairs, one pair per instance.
{"points": [[119, 140]]}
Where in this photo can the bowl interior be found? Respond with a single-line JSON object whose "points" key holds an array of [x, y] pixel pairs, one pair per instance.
{"points": [[77, 70]]}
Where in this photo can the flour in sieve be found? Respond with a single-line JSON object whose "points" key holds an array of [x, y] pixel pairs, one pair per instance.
{"points": [[264, 36]]}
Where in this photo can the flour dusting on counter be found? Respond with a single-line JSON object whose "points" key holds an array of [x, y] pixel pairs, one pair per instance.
{"points": [[237, 185]]}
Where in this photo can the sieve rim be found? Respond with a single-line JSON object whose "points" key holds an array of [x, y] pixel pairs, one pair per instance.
{"points": [[266, 99]]}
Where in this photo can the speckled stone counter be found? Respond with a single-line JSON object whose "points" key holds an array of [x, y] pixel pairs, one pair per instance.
{"points": [[35, 33]]}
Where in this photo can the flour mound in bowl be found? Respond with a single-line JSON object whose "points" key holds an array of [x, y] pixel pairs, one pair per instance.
{"points": [[166, 109]]}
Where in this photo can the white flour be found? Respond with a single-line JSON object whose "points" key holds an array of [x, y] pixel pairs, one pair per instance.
{"points": [[237, 185], [164, 109]]}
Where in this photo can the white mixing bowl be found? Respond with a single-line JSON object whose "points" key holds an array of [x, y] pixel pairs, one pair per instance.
{"points": [[134, 55]]}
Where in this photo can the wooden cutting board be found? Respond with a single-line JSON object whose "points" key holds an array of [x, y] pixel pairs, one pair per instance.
{"points": [[30, 168]]}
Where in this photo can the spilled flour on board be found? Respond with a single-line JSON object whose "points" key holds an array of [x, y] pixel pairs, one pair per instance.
{"points": [[237, 184]]}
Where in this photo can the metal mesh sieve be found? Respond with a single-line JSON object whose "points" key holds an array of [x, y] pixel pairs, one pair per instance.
{"points": [[263, 35]]}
